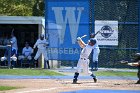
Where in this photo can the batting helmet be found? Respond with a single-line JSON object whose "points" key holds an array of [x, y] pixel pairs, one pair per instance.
{"points": [[42, 36], [92, 42]]}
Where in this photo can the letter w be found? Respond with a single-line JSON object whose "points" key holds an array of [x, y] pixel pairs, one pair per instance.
{"points": [[69, 18]]}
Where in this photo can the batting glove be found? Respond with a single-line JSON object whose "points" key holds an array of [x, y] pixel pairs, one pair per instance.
{"points": [[78, 38], [130, 64]]}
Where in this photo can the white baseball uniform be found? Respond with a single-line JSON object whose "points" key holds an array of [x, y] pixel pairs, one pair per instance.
{"points": [[83, 62], [14, 43], [26, 53], [41, 45]]}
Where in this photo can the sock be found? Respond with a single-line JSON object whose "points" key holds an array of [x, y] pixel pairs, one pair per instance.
{"points": [[76, 75]]}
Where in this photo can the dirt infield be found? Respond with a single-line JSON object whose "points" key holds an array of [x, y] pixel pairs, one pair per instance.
{"points": [[60, 85]]}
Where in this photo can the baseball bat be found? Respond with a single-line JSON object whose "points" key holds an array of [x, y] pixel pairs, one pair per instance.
{"points": [[83, 36], [97, 32]]}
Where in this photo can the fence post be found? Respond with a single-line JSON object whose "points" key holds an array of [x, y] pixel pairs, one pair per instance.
{"points": [[9, 56], [139, 27], [91, 16]]}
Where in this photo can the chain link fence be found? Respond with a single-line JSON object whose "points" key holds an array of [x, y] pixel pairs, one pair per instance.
{"points": [[126, 13]]}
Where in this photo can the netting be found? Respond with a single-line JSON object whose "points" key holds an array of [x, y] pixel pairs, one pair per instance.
{"points": [[126, 13]]}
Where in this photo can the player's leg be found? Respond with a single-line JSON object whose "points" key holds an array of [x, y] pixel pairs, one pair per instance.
{"points": [[13, 61], [29, 60], [95, 63], [3, 60], [36, 57], [46, 59], [93, 73], [86, 66], [20, 58], [86, 70], [95, 59], [138, 74], [94, 77], [76, 74], [37, 54]]}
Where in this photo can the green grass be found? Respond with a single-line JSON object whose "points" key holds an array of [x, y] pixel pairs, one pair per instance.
{"points": [[2, 88], [45, 72], [115, 73], [29, 72]]}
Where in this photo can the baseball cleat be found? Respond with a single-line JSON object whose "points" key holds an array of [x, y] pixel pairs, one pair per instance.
{"points": [[95, 80], [74, 81], [138, 82]]}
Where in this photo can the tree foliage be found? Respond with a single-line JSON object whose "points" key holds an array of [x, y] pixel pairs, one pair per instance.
{"points": [[22, 7]]}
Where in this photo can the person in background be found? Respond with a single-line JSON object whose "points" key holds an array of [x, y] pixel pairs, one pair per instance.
{"points": [[95, 53], [6, 40], [42, 44], [13, 42], [13, 57], [26, 53]]}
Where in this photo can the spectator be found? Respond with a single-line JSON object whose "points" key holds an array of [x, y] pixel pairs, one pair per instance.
{"points": [[13, 57], [26, 53], [42, 44], [13, 42]]}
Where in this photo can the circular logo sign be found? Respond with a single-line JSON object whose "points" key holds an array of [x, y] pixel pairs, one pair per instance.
{"points": [[106, 31]]}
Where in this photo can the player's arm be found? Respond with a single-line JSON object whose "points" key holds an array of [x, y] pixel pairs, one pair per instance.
{"points": [[46, 43], [80, 42], [12, 41]]}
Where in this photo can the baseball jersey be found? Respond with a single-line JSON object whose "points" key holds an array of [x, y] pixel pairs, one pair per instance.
{"points": [[14, 42], [41, 44], [27, 51], [86, 51]]}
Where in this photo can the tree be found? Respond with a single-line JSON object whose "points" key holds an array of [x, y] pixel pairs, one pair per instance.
{"points": [[39, 8], [21, 7]]}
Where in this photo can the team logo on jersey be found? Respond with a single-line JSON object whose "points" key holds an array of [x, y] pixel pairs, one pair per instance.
{"points": [[106, 31]]}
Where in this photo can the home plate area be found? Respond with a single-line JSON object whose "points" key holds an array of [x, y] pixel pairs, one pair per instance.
{"points": [[66, 86]]}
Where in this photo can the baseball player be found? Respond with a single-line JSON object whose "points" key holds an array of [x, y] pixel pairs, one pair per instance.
{"points": [[13, 42], [41, 44], [135, 63], [26, 53], [13, 57], [83, 62], [95, 53]]}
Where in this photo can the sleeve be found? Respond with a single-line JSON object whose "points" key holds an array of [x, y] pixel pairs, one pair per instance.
{"points": [[47, 43], [13, 40], [35, 44], [31, 49]]}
